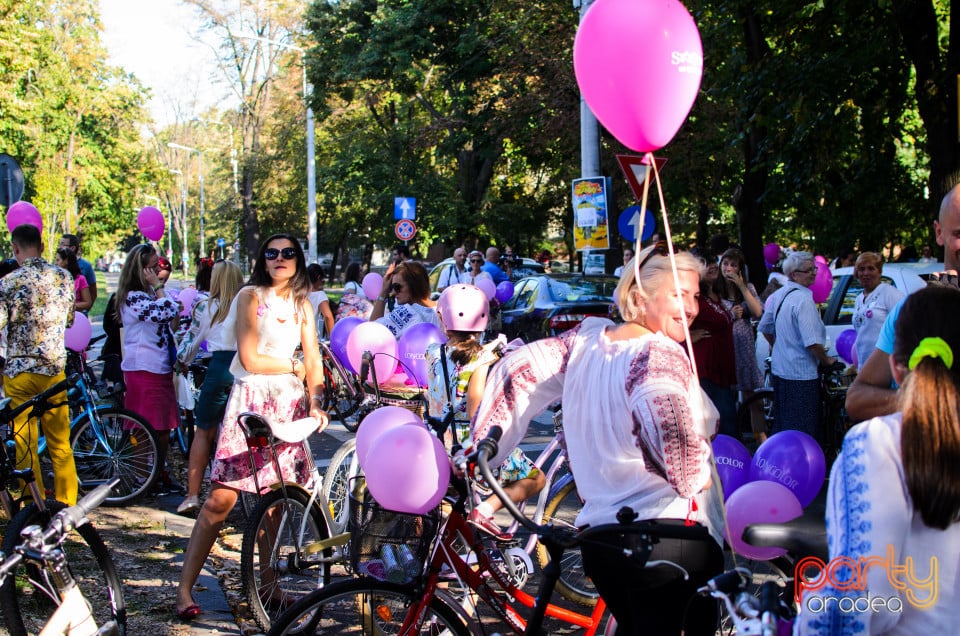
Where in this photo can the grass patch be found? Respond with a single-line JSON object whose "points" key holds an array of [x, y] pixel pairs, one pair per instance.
{"points": [[100, 304]]}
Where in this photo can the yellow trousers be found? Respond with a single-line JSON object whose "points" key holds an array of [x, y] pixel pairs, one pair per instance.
{"points": [[56, 429]]}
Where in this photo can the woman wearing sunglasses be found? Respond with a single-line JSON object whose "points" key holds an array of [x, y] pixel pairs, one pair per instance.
{"points": [[474, 273], [271, 317], [409, 286], [637, 435]]}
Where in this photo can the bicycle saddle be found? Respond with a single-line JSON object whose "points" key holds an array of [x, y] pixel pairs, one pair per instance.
{"points": [[255, 425], [801, 536]]}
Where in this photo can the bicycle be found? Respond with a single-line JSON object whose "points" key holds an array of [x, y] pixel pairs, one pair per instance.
{"points": [[342, 391], [288, 544], [47, 568], [183, 434], [108, 441], [762, 395], [834, 382], [371, 605]]}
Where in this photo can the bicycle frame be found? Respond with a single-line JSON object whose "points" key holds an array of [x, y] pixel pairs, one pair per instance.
{"points": [[257, 438], [474, 575]]}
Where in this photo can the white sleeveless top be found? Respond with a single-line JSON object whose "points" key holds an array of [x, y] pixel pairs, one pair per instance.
{"points": [[278, 327]]}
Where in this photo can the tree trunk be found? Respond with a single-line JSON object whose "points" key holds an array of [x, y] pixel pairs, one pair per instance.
{"points": [[750, 213]]}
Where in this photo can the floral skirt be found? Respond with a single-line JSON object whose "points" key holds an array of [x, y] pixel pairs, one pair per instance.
{"points": [[280, 398]]}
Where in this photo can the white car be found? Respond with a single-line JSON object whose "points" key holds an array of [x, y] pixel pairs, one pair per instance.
{"points": [[837, 312], [595, 264]]}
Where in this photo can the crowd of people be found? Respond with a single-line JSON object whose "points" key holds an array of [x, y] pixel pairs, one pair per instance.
{"points": [[639, 415]]}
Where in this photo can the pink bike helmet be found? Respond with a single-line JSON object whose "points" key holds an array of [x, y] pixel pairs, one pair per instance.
{"points": [[463, 308]]}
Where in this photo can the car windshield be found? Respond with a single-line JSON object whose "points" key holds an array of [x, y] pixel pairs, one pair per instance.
{"points": [[579, 289]]}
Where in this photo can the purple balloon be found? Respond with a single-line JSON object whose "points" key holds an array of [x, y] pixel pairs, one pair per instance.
{"points": [[504, 292], [759, 502], [412, 348], [793, 459], [733, 463], [771, 253], [338, 339], [845, 344], [487, 287]]}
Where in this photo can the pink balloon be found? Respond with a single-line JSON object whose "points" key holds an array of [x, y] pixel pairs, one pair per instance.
{"points": [[338, 339], [487, 287], [24, 213], [77, 336], [187, 298], [377, 339], [822, 284], [151, 223], [771, 253], [821, 259], [759, 502], [379, 422], [372, 285], [639, 65], [407, 470]]}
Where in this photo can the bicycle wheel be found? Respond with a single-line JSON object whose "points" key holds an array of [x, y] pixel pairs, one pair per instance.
{"points": [[336, 483], [763, 396], [340, 394], [122, 445], [273, 571], [183, 434], [27, 597], [364, 606], [561, 509]]}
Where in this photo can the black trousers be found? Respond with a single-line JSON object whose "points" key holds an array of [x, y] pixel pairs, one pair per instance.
{"points": [[656, 600]]}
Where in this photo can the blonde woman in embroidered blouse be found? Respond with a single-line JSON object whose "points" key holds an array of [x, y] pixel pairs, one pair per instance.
{"points": [[872, 305], [272, 316]]}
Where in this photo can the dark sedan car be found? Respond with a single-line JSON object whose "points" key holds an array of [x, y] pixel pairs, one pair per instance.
{"points": [[549, 304]]}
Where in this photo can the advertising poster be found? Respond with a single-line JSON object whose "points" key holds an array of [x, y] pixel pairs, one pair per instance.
{"points": [[590, 231]]}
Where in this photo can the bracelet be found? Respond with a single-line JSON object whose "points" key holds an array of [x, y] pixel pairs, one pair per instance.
{"points": [[158, 287], [293, 365], [317, 398], [381, 299]]}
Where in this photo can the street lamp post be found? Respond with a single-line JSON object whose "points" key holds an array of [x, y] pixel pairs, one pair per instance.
{"points": [[184, 253], [203, 251], [311, 154]]}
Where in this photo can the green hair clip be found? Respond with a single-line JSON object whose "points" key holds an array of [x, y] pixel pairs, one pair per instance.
{"points": [[931, 348]]}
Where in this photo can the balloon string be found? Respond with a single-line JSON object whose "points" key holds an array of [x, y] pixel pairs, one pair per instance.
{"points": [[716, 483]]}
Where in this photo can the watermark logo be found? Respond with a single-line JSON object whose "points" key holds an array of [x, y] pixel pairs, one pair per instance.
{"points": [[847, 577]]}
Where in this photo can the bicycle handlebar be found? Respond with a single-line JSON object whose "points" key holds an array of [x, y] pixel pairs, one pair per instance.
{"points": [[40, 398], [74, 516]]}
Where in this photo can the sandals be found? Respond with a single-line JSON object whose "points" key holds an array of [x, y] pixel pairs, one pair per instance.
{"points": [[189, 612], [189, 506]]}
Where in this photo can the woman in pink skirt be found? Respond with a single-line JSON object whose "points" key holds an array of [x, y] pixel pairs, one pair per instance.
{"points": [[149, 318], [272, 315]]}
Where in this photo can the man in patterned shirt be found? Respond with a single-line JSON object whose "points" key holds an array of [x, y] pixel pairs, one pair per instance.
{"points": [[36, 305]]}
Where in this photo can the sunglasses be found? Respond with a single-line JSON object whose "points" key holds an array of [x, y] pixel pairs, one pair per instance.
{"points": [[288, 253], [396, 287], [660, 248], [476, 260]]}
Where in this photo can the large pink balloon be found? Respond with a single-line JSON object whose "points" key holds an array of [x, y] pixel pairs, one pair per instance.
{"points": [[187, 297], [407, 470], [372, 285], [77, 336], [822, 284], [638, 64], [24, 213], [151, 223], [759, 502], [379, 422], [377, 339], [488, 288]]}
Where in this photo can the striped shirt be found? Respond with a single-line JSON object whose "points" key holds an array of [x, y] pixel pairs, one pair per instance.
{"points": [[795, 322]]}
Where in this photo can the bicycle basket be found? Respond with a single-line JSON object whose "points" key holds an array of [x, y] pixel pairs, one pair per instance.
{"points": [[388, 545], [414, 405]]}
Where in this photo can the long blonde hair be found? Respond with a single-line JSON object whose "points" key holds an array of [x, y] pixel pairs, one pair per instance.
{"points": [[225, 282]]}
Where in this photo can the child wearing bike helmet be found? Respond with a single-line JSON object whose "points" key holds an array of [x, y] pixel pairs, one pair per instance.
{"points": [[457, 376]]}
